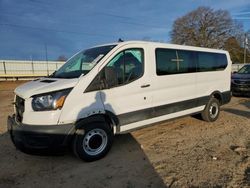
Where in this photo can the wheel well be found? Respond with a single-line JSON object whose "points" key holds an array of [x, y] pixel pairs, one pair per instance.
{"points": [[109, 121], [95, 118], [218, 96]]}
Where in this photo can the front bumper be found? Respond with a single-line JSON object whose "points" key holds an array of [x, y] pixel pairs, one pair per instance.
{"points": [[39, 138]]}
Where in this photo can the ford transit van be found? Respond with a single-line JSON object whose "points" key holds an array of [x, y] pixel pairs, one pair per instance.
{"points": [[116, 88]]}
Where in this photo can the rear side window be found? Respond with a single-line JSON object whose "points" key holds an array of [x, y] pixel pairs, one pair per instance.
{"points": [[171, 61], [211, 61], [174, 61]]}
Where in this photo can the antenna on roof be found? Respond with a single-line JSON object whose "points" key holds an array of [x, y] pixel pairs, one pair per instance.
{"points": [[120, 40]]}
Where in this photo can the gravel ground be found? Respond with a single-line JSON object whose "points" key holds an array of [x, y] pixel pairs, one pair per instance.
{"points": [[185, 152]]}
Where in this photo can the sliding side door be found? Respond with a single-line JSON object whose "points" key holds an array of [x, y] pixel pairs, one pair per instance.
{"points": [[174, 85]]}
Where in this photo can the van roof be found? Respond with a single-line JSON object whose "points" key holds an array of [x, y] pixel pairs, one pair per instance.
{"points": [[165, 45]]}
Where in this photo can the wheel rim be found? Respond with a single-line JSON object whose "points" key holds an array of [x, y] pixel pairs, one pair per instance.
{"points": [[95, 141], [213, 110]]}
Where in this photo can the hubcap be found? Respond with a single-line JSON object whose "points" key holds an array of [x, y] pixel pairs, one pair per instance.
{"points": [[213, 110], [95, 141]]}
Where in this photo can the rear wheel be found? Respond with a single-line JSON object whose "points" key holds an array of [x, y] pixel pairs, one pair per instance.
{"points": [[94, 142], [211, 111]]}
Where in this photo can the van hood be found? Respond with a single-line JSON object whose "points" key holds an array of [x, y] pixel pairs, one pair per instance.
{"points": [[44, 85]]}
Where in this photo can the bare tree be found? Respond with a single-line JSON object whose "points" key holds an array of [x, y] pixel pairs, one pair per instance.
{"points": [[235, 49], [204, 27]]}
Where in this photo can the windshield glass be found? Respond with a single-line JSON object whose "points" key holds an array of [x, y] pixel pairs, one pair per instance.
{"points": [[82, 62], [245, 70]]}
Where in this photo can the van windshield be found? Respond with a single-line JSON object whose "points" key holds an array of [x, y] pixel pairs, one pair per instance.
{"points": [[82, 63]]}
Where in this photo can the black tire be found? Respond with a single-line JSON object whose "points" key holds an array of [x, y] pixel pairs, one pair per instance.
{"points": [[94, 142], [211, 111]]}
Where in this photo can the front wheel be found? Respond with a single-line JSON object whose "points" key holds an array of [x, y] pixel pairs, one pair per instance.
{"points": [[211, 111], [94, 143]]}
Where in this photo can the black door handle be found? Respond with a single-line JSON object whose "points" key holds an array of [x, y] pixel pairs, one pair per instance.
{"points": [[146, 85]]}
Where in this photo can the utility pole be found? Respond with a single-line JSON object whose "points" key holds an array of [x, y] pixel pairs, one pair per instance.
{"points": [[32, 64], [245, 48], [46, 53]]}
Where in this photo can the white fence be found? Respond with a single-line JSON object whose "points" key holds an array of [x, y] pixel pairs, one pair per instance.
{"points": [[27, 69], [12, 69]]}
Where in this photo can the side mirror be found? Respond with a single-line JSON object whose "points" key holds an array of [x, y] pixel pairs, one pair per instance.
{"points": [[52, 75], [110, 77]]}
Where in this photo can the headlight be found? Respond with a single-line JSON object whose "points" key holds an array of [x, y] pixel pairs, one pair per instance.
{"points": [[49, 101]]}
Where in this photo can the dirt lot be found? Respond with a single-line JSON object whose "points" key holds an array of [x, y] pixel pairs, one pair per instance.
{"points": [[186, 152]]}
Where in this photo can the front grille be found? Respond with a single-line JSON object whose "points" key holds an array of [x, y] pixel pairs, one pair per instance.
{"points": [[19, 105]]}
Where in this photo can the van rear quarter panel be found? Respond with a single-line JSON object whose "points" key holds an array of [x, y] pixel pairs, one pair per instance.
{"points": [[208, 82]]}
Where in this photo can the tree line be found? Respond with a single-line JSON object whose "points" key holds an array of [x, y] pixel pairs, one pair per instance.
{"points": [[206, 27]]}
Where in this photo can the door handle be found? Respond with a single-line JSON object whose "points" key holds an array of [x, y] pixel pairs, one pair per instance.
{"points": [[145, 85]]}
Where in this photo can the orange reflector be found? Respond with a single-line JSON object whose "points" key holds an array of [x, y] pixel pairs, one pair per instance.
{"points": [[60, 101]]}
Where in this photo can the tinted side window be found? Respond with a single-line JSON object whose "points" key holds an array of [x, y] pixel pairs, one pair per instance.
{"points": [[211, 61], [171, 61]]}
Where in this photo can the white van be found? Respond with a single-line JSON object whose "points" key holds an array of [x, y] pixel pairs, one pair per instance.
{"points": [[115, 88]]}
